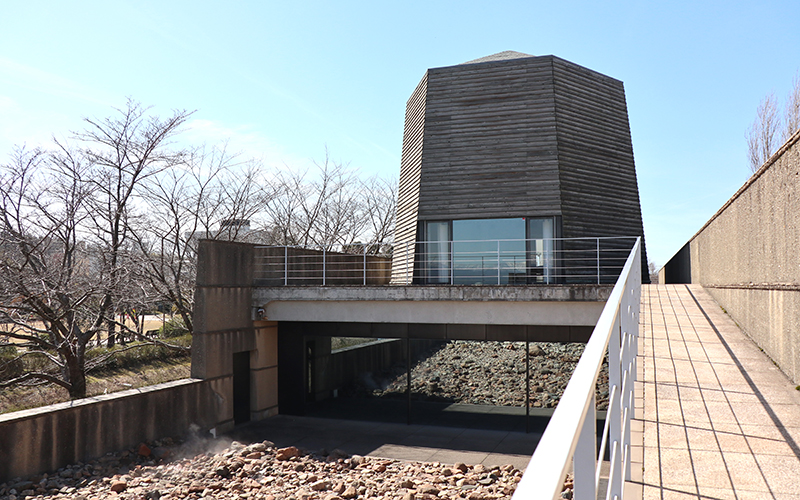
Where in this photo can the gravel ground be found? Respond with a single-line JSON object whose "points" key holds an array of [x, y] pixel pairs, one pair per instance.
{"points": [[234, 471], [488, 373]]}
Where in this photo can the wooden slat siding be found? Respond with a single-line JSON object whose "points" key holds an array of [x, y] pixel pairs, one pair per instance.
{"points": [[599, 191], [490, 141], [408, 186]]}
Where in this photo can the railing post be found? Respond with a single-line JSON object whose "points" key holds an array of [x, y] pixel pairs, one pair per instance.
{"points": [[365, 265], [614, 407], [324, 254], [583, 460], [598, 261], [452, 261], [498, 262], [408, 278], [285, 266]]}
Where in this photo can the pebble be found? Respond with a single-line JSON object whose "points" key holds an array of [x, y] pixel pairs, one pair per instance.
{"points": [[485, 373], [259, 470]]}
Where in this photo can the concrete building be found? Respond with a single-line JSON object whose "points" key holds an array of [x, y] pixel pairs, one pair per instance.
{"points": [[515, 147], [532, 154]]}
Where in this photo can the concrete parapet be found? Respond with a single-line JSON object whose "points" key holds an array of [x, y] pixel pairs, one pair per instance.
{"points": [[50, 437], [746, 256]]}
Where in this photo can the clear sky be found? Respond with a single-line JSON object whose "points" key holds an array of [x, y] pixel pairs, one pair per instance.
{"points": [[281, 80]]}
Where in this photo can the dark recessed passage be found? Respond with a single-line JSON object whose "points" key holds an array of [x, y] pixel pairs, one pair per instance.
{"points": [[241, 387]]}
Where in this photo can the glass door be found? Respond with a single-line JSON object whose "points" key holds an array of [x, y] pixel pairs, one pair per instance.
{"points": [[541, 257], [436, 258]]}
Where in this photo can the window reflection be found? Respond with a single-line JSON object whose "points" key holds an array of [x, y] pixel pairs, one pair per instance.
{"points": [[489, 251]]}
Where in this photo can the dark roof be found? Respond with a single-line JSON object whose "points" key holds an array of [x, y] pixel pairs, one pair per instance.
{"points": [[500, 56]]}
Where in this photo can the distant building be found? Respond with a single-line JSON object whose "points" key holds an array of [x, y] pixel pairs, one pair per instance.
{"points": [[514, 147], [236, 230]]}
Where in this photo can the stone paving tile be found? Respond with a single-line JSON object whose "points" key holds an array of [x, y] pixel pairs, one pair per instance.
{"points": [[719, 419]]}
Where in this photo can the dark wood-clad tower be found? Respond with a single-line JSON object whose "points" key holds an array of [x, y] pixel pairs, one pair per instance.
{"points": [[513, 135]]}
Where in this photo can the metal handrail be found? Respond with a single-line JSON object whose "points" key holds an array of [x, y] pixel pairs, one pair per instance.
{"points": [[570, 435], [485, 262]]}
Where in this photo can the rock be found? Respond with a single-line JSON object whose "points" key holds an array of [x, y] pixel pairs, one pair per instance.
{"points": [[461, 467], [261, 447], [161, 453], [429, 489], [152, 495], [144, 450], [287, 453], [118, 486], [196, 488], [321, 485], [254, 455], [350, 492], [406, 483], [535, 350], [21, 486]]}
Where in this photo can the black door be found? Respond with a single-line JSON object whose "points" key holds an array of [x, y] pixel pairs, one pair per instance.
{"points": [[241, 387]]}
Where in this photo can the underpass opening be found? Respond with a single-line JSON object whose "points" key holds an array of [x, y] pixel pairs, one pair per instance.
{"points": [[428, 381]]}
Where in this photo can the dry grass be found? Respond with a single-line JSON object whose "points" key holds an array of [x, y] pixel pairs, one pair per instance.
{"points": [[22, 398], [151, 322]]}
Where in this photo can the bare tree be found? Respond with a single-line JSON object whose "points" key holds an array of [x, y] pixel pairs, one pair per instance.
{"points": [[381, 206], [763, 133], [187, 204], [331, 207], [65, 258], [792, 111], [50, 286], [124, 151]]}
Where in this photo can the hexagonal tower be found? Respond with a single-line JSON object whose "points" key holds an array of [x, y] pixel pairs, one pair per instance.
{"points": [[513, 144]]}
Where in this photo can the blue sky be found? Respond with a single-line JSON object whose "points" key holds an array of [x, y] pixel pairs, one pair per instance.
{"points": [[281, 80]]}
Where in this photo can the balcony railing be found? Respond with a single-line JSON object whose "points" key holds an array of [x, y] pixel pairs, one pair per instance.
{"points": [[570, 435], [463, 262]]}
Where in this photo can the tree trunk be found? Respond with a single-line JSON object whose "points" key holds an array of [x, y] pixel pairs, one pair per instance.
{"points": [[77, 377], [112, 333]]}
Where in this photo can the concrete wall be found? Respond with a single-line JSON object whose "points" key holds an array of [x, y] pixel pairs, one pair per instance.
{"points": [[746, 256], [224, 325], [50, 437]]}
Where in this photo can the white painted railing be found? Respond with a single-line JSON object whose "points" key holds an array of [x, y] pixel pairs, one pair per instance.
{"points": [[570, 434]]}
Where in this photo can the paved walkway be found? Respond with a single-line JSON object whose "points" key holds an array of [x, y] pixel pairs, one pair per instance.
{"points": [[720, 420], [397, 441]]}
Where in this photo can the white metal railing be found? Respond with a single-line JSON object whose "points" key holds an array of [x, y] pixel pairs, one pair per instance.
{"points": [[462, 262], [570, 435]]}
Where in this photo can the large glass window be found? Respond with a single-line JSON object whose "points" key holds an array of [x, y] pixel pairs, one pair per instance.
{"points": [[489, 251]]}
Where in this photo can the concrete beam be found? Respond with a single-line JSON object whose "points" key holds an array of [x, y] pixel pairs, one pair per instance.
{"points": [[447, 312], [572, 305], [559, 293]]}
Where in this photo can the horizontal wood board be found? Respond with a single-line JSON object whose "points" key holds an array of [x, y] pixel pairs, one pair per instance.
{"points": [[409, 183], [536, 136], [490, 142], [599, 191]]}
